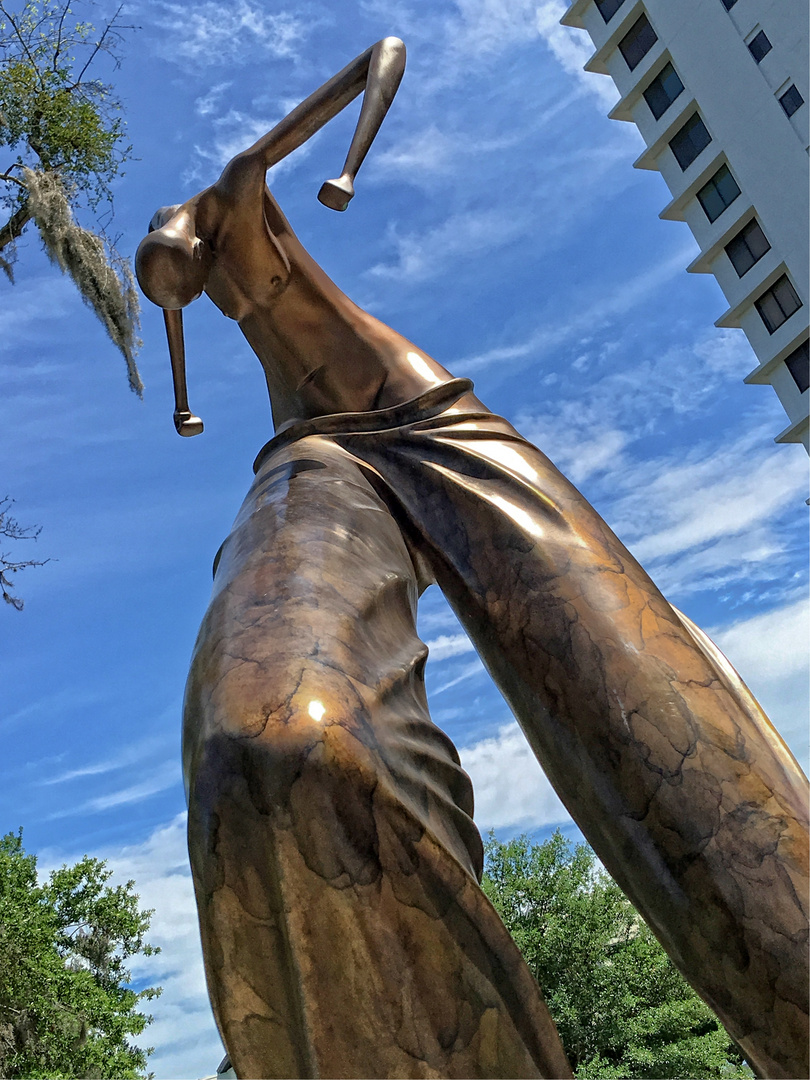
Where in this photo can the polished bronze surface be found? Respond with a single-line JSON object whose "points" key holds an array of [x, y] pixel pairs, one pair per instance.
{"points": [[334, 854]]}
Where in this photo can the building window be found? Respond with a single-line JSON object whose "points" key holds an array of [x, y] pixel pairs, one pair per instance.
{"points": [[747, 247], [728, 4], [759, 46], [608, 8], [777, 304], [791, 100], [689, 141], [637, 42], [663, 90], [798, 366], [720, 192]]}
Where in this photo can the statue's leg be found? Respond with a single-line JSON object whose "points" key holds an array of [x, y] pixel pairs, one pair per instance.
{"points": [[660, 753], [334, 856]]}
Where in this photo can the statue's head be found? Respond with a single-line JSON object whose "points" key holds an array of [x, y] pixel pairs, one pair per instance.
{"points": [[172, 263]]}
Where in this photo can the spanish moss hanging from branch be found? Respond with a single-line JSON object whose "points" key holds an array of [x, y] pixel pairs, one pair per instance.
{"points": [[66, 139], [103, 277]]}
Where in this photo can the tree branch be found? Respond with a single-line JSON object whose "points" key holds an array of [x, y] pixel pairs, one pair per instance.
{"points": [[12, 530], [13, 179], [15, 225], [99, 45], [58, 46], [23, 43]]}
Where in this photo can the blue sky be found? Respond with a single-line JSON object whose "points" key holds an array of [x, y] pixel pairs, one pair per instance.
{"points": [[498, 224]]}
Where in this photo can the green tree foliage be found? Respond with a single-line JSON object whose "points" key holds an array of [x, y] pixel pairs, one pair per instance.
{"points": [[66, 1005], [621, 1007], [67, 143]]}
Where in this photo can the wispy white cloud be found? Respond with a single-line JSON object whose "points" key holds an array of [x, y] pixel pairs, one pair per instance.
{"points": [[462, 675], [428, 155], [772, 652], [484, 30], [591, 316], [37, 713], [129, 755], [572, 49], [492, 26], [28, 314], [705, 515], [763, 646], [434, 613], [419, 156], [708, 516], [447, 645], [159, 778], [561, 189], [690, 503], [586, 436], [232, 133], [216, 34], [510, 787], [209, 102], [420, 256]]}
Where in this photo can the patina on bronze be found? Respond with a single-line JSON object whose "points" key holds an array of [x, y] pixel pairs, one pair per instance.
{"points": [[335, 859]]}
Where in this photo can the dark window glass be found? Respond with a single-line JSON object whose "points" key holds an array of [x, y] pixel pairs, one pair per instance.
{"points": [[689, 141], [747, 247], [663, 90], [791, 100], [798, 366], [728, 4], [637, 42], [777, 304], [759, 46], [608, 8], [720, 192]]}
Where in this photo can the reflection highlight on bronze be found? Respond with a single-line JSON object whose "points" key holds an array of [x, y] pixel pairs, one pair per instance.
{"points": [[335, 858]]}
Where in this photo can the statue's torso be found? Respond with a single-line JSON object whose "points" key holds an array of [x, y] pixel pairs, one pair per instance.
{"points": [[319, 351]]}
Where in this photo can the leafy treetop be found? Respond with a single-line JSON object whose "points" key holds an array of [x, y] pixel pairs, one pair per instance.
{"points": [[620, 1006], [66, 1003]]}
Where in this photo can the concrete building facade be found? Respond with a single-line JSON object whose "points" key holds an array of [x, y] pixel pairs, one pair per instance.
{"points": [[719, 91]]}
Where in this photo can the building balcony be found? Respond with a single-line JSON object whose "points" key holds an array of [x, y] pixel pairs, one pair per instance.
{"points": [[615, 30], [761, 375]]}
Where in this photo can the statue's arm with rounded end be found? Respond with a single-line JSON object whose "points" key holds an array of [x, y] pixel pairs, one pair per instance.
{"points": [[378, 71]]}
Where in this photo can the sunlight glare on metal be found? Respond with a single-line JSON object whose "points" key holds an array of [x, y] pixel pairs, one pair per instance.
{"points": [[420, 366], [518, 515], [506, 455]]}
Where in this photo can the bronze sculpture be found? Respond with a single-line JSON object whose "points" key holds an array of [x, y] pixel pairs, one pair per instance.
{"points": [[330, 825]]}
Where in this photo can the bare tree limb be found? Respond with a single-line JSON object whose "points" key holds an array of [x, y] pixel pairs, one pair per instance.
{"points": [[58, 47], [99, 44], [13, 179], [11, 529], [14, 226]]}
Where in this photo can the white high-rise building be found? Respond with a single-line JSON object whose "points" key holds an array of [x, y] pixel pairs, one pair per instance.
{"points": [[719, 91]]}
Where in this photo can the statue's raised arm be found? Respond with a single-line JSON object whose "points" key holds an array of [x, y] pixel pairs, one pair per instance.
{"points": [[379, 72]]}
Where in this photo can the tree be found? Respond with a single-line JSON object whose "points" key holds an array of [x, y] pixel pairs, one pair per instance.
{"points": [[67, 140], [66, 1004], [621, 1007], [10, 529]]}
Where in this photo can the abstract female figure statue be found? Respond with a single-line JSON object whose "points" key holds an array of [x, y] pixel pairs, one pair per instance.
{"points": [[334, 854]]}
